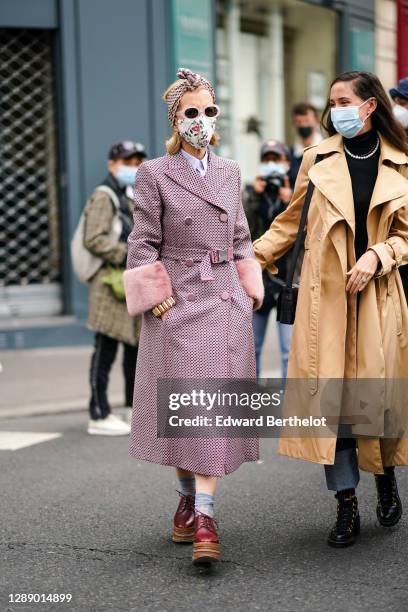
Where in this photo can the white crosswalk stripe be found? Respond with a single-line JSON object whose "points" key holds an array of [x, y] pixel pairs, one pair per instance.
{"points": [[14, 440]]}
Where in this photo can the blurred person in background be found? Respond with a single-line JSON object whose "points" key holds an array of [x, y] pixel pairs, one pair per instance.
{"points": [[305, 120], [263, 200], [107, 315], [400, 96]]}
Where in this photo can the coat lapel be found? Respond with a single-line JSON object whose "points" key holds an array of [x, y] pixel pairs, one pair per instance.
{"points": [[206, 187], [332, 178], [390, 191], [391, 184]]}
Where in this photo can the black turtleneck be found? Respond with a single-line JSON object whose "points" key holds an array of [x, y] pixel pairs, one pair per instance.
{"points": [[363, 173]]}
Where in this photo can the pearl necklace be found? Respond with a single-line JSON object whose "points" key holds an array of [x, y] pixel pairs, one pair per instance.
{"points": [[363, 156]]}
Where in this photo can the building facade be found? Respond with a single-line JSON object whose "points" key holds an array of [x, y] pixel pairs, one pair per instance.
{"points": [[76, 75], [272, 54], [386, 42], [402, 38]]}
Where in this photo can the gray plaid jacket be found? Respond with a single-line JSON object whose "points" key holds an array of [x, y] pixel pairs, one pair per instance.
{"points": [[106, 314]]}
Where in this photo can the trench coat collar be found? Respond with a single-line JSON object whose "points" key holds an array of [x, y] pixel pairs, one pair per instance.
{"points": [[388, 151], [331, 176], [205, 187]]}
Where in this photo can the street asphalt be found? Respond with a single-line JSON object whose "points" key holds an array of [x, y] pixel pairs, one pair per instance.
{"points": [[79, 516]]}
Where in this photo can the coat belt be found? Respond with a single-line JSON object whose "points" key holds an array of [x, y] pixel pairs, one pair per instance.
{"points": [[206, 257]]}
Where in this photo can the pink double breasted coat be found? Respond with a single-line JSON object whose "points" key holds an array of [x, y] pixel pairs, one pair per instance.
{"points": [[179, 217]]}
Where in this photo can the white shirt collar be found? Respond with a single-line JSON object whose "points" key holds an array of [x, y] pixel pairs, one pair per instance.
{"points": [[198, 164]]}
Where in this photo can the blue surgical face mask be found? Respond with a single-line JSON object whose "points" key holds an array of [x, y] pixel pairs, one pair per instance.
{"points": [[346, 120], [126, 174], [271, 167]]}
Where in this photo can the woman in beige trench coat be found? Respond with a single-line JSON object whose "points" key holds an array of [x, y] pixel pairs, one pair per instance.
{"points": [[352, 317]]}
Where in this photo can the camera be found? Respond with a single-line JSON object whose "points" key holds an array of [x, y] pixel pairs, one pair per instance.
{"points": [[274, 181]]}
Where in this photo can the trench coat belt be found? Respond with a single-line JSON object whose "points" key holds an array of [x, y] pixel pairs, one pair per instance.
{"points": [[206, 257]]}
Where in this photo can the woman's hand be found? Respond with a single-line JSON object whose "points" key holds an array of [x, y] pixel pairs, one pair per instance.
{"points": [[363, 270]]}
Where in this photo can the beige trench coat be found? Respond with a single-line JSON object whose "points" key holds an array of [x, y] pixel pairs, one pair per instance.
{"points": [[328, 340], [106, 314]]}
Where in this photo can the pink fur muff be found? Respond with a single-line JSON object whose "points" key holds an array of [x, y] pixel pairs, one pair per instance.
{"points": [[250, 275], [146, 287]]}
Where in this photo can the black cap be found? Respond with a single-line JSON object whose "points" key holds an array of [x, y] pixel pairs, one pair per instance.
{"points": [[124, 149]]}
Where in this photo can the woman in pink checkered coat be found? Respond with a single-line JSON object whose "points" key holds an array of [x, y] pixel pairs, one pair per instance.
{"points": [[191, 271]]}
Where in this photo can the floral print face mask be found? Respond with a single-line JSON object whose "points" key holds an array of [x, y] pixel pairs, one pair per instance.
{"points": [[198, 132]]}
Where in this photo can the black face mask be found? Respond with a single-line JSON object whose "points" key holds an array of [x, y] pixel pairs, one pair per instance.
{"points": [[305, 132]]}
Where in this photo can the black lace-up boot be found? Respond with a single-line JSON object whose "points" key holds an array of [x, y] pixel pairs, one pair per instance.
{"points": [[347, 525], [389, 507]]}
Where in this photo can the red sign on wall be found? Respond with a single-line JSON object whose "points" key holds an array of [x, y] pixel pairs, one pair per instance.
{"points": [[402, 39]]}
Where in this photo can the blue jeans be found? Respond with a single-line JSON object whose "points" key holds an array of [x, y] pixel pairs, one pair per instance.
{"points": [[259, 323], [344, 474]]}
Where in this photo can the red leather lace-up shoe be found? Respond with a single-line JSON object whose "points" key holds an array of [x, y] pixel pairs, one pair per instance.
{"points": [[206, 549], [183, 522]]}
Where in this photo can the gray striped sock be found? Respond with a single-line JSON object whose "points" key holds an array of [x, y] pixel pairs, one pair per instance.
{"points": [[187, 485], [204, 503]]}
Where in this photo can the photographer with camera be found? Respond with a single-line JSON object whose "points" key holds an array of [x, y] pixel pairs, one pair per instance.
{"points": [[263, 200]]}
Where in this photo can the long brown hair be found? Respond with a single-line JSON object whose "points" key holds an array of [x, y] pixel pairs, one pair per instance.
{"points": [[367, 85]]}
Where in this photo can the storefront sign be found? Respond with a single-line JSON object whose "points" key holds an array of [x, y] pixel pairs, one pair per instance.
{"points": [[193, 44], [362, 49]]}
